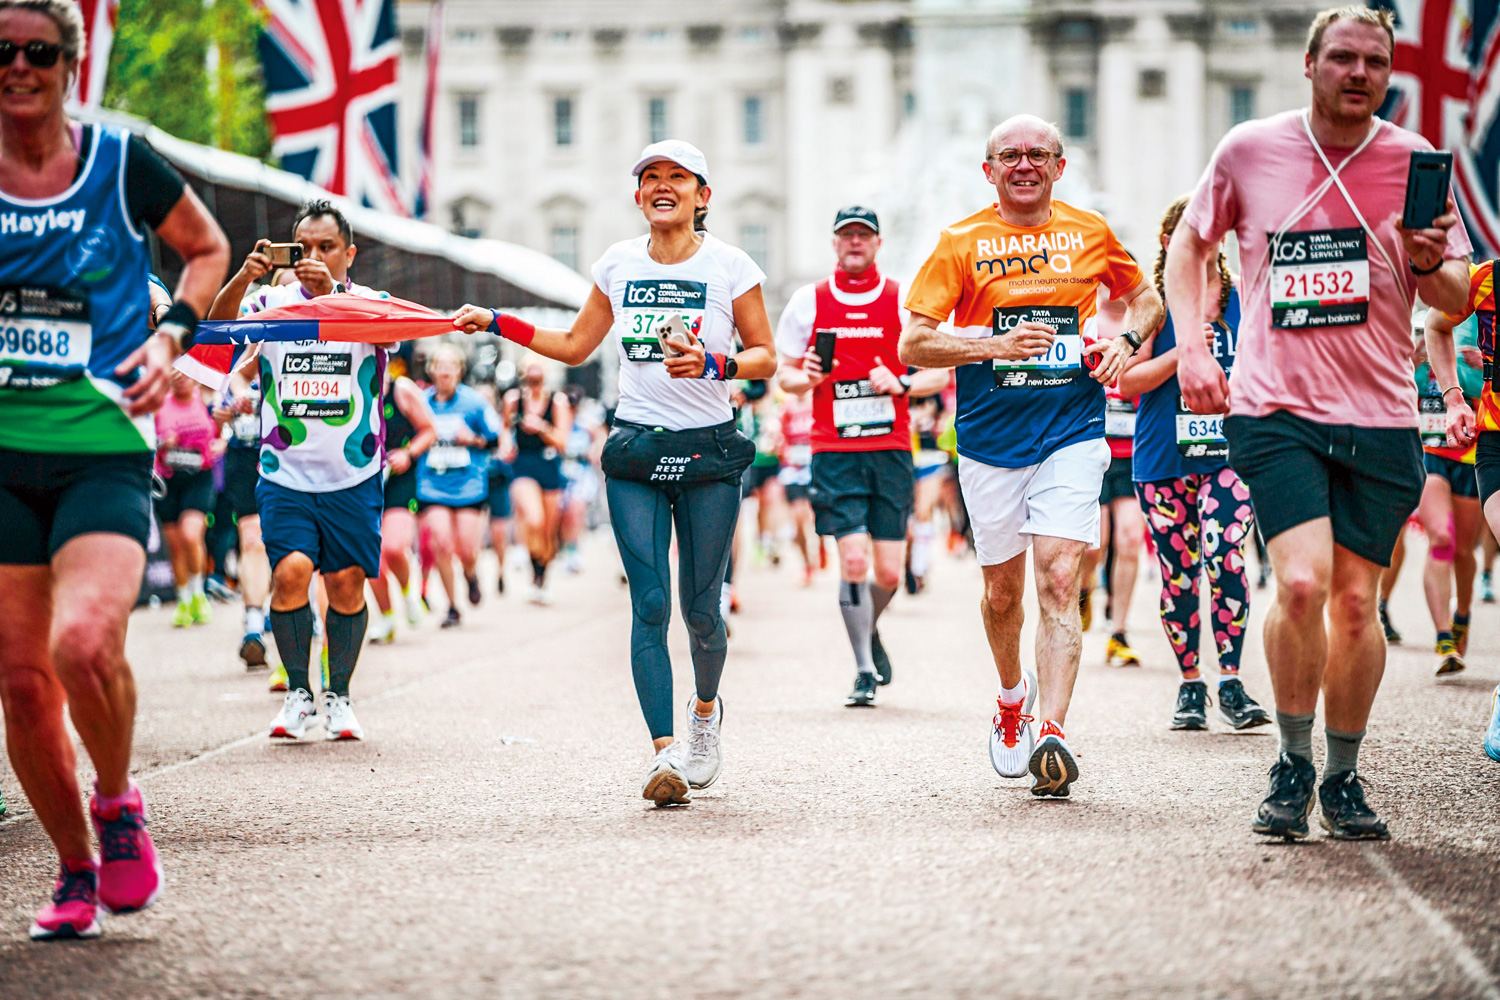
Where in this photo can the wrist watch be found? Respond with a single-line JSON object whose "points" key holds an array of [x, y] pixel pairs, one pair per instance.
{"points": [[1133, 339], [731, 368], [905, 381]]}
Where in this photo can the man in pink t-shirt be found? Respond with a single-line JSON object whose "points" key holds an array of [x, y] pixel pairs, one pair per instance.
{"points": [[1322, 407]]}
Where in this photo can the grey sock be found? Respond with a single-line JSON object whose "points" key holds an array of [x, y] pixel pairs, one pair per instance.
{"points": [[294, 630], [881, 597], [1296, 733], [859, 620], [1343, 751], [346, 635]]}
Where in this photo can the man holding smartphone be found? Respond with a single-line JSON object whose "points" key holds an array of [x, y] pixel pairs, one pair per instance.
{"points": [[319, 496], [1322, 407], [862, 481]]}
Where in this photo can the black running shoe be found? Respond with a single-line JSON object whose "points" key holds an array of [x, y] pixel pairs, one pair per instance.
{"points": [[1345, 814], [1284, 812], [1392, 637], [453, 620], [1192, 702], [1237, 709], [475, 594], [500, 583], [882, 661], [863, 695], [253, 651], [911, 581]]}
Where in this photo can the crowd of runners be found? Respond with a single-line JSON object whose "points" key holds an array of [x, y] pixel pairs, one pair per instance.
{"points": [[1031, 388]]}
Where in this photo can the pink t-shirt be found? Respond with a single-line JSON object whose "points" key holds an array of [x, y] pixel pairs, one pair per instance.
{"points": [[1345, 372], [193, 432]]}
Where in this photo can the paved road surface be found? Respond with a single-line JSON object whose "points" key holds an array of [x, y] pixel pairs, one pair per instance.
{"points": [[488, 838]]}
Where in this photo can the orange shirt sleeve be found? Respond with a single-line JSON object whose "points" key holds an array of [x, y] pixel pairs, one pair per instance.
{"points": [[1478, 273], [939, 284], [1121, 273]]}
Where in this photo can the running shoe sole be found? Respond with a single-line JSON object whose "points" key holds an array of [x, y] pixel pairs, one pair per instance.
{"points": [[1192, 725], [1054, 769], [1450, 665], [1298, 832], [667, 788], [343, 734], [253, 652], [67, 932], [1250, 722], [1338, 833]]}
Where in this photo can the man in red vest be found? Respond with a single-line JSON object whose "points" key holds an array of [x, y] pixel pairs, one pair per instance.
{"points": [[862, 479]]}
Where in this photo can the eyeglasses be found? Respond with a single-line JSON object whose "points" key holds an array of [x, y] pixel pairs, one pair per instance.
{"points": [[42, 55], [1037, 156]]}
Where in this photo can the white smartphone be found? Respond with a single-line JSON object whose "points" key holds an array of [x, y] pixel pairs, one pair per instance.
{"points": [[672, 335]]}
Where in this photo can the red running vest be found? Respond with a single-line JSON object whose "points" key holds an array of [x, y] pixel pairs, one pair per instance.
{"points": [[848, 415]]}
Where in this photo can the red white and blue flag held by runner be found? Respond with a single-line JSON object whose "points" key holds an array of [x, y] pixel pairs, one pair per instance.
{"points": [[1445, 84], [330, 72], [220, 346]]}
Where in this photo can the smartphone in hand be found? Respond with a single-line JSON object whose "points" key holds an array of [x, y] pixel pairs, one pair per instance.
{"points": [[1427, 179], [284, 254], [824, 342]]}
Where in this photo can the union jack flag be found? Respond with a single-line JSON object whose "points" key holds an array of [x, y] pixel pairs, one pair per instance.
{"points": [[330, 69], [1445, 85]]}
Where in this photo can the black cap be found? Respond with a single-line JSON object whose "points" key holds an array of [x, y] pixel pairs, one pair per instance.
{"points": [[856, 213]]}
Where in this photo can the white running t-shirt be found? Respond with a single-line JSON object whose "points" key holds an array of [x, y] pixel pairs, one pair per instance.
{"points": [[700, 291]]}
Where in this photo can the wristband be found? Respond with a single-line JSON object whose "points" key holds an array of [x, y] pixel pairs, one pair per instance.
{"points": [[513, 329], [1419, 272], [179, 323], [1444, 394], [713, 367]]}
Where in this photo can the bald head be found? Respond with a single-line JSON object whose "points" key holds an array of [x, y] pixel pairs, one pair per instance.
{"points": [[1024, 132]]}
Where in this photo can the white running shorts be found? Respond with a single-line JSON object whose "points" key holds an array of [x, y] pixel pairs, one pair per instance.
{"points": [[1058, 498]]}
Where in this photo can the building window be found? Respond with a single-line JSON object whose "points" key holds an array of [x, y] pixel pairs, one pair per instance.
{"points": [[909, 103], [1241, 103], [562, 121], [753, 241], [1242, 27], [565, 245], [753, 35], [656, 36], [468, 121], [1153, 83], [656, 119], [560, 36], [754, 124], [840, 90], [1076, 114], [465, 36]]}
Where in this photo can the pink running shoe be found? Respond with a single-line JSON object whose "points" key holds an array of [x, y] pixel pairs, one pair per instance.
{"points": [[74, 910], [130, 875]]}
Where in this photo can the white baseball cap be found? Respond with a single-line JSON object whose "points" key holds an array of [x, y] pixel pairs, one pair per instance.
{"points": [[684, 154]]}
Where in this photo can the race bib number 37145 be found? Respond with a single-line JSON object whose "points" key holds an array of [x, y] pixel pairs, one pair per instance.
{"points": [[1055, 368], [1319, 277], [649, 303]]}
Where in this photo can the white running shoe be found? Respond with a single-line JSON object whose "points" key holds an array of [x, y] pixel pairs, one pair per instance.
{"points": [[339, 722], [540, 595], [1012, 732], [383, 628], [705, 755], [667, 784], [296, 715], [416, 608]]}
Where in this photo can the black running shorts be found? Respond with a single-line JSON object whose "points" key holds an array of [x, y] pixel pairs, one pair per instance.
{"points": [[1487, 464], [862, 492], [47, 500], [241, 473], [1366, 481], [1117, 481], [186, 491]]}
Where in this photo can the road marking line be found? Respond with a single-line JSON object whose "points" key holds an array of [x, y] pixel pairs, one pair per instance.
{"points": [[23, 814], [1437, 923]]}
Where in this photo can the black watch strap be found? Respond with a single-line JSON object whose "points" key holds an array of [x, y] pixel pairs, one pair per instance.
{"points": [[731, 368], [1133, 339]]}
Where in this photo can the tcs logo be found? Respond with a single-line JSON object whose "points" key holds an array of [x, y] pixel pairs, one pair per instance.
{"points": [[638, 295]]}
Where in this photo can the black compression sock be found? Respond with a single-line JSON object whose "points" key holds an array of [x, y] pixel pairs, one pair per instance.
{"points": [[293, 630], [346, 635]]}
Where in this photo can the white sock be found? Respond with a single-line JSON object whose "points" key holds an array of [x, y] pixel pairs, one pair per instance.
{"points": [[1012, 695], [185, 593], [921, 548], [195, 584], [1226, 678], [725, 590], [255, 620]]}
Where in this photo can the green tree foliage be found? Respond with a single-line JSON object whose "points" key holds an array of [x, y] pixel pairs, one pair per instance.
{"points": [[159, 70]]}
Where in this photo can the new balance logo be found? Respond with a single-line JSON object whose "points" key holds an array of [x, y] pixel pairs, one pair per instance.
{"points": [[1013, 379]]}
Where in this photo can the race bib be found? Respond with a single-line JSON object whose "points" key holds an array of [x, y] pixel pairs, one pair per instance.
{"points": [[444, 457], [316, 385], [860, 412], [650, 303], [1200, 435], [1432, 421], [185, 459], [247, 428], [45, 336], [1055, 368], [1119, 418], [1319, 277]]}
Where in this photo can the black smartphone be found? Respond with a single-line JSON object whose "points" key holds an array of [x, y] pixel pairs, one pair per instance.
{"points": [[823, 343], [1426, 188]]}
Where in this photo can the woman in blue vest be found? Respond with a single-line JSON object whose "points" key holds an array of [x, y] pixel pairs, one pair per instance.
{"points": [[80, 375]]}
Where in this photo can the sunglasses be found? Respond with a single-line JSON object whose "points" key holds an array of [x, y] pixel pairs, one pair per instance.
{"points": [[42, 55]]}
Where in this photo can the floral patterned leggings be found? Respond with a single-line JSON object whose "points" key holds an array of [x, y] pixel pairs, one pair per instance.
{"points": [[1201, 520]]}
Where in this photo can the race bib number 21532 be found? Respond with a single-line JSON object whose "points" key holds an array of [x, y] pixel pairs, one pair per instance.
{"points": [[1319, 277]]}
